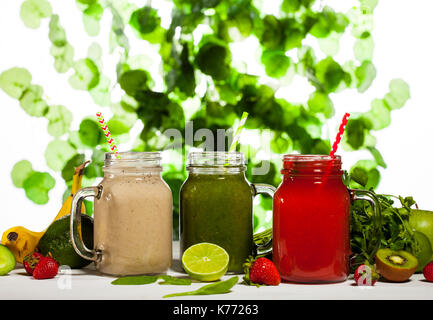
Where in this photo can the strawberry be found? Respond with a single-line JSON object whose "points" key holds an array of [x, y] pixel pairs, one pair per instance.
{"points": [[365, 275], [47, 268], [428, 271], [261, 271], [30, 261]]}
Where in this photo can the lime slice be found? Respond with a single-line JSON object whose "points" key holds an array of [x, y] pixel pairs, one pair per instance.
{"points": [[205, 261]]}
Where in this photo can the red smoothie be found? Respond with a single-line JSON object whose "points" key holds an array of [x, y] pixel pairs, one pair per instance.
{"points": [[311, 220]]}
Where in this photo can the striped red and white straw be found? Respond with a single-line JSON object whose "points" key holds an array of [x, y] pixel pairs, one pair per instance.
{"points": [[107, 134]]}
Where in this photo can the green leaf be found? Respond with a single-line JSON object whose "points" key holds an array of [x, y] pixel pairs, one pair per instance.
{"points": [[94, 170], [363, 49], [141, 280], [320, 102], [69, 168], [355, 133], [291, 5], [56, 34], [60, 119], [37, 186], [331, 44], [101, 93], [86, 75], [63, 57], [365, 75], [15, 81], [213, 59], [117, 34], [379, 114], [117, 127], [377, 156], [169, 280], [133, 81], [281, 143], [219, 287], [91, 18], [58, 153], [20, 172], [364, 173], [272, 36], [398, 94], [276, 63], [90, 133], [135, 280], [32, 102], [330, 74], [145, 20], [32, 11], [88, 2]]}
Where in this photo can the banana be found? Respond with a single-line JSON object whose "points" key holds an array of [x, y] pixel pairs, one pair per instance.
{"points": [[22, 241]]}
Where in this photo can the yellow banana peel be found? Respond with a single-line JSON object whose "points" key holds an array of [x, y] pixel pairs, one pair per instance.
{"points": [[22, 241]]}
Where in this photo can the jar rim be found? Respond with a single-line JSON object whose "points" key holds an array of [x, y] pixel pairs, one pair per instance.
{"points": [[310, 157], [133, 159], [216, 159]]}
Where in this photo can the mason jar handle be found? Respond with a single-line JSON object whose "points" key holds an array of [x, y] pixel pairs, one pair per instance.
{"points": [[262, 249], [370, 197], [75, 223]]}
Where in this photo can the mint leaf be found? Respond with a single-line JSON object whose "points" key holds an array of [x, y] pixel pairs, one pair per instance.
{"points": [[20, 172], [133, 81], [141, 280], [32, 11], [63, 57], [169, 280], [91, 18], [365, 75], [320, 102], [37, 186], [60, 119], [398, 94], [90, 133], [86, 75], [15, 81], [56, 34], [276, 63], [135, 280], [32, 102], [219, 287], [58, 153], [363, 49]]}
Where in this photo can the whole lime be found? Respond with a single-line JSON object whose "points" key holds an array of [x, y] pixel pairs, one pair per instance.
{"points": [[422, 221]]}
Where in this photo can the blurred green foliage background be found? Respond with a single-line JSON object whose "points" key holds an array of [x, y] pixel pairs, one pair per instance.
{"points": [[201, 84]]}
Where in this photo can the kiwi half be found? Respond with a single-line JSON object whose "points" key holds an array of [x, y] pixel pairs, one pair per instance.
{"points": [[396, 266]]}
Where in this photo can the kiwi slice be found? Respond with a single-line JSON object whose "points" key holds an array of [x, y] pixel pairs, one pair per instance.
{"points": [[396, 266]]}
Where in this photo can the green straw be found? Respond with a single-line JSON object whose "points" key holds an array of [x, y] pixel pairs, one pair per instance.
{"points": [[238, 132]]}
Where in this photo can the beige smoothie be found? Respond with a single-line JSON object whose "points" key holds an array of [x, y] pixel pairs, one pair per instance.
{"points": [[133, 223]]}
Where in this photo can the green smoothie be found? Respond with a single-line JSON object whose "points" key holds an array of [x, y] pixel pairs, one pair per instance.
{"points": [[217, 208]]}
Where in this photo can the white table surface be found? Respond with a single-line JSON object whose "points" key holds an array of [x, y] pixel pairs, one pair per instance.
{"points": [[88, 284]]}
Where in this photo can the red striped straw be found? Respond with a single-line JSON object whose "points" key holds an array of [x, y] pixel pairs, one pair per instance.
{"points": [[339, 134], [335, 146], [107, 134]]}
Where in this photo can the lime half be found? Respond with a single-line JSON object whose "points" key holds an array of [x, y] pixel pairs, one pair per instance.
{"points": [[205, 261]]}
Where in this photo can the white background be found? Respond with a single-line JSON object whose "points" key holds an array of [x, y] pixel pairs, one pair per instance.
{"points": [[403, 49]]}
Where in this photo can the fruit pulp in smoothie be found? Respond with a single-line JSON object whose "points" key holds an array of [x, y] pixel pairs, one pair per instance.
{"points": [[217, 208], [133, 225], [311, 229]]}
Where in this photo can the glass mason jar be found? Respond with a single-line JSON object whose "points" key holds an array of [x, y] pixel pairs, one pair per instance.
{"points": [[216, 205], [311, 220], [132, 216]]}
